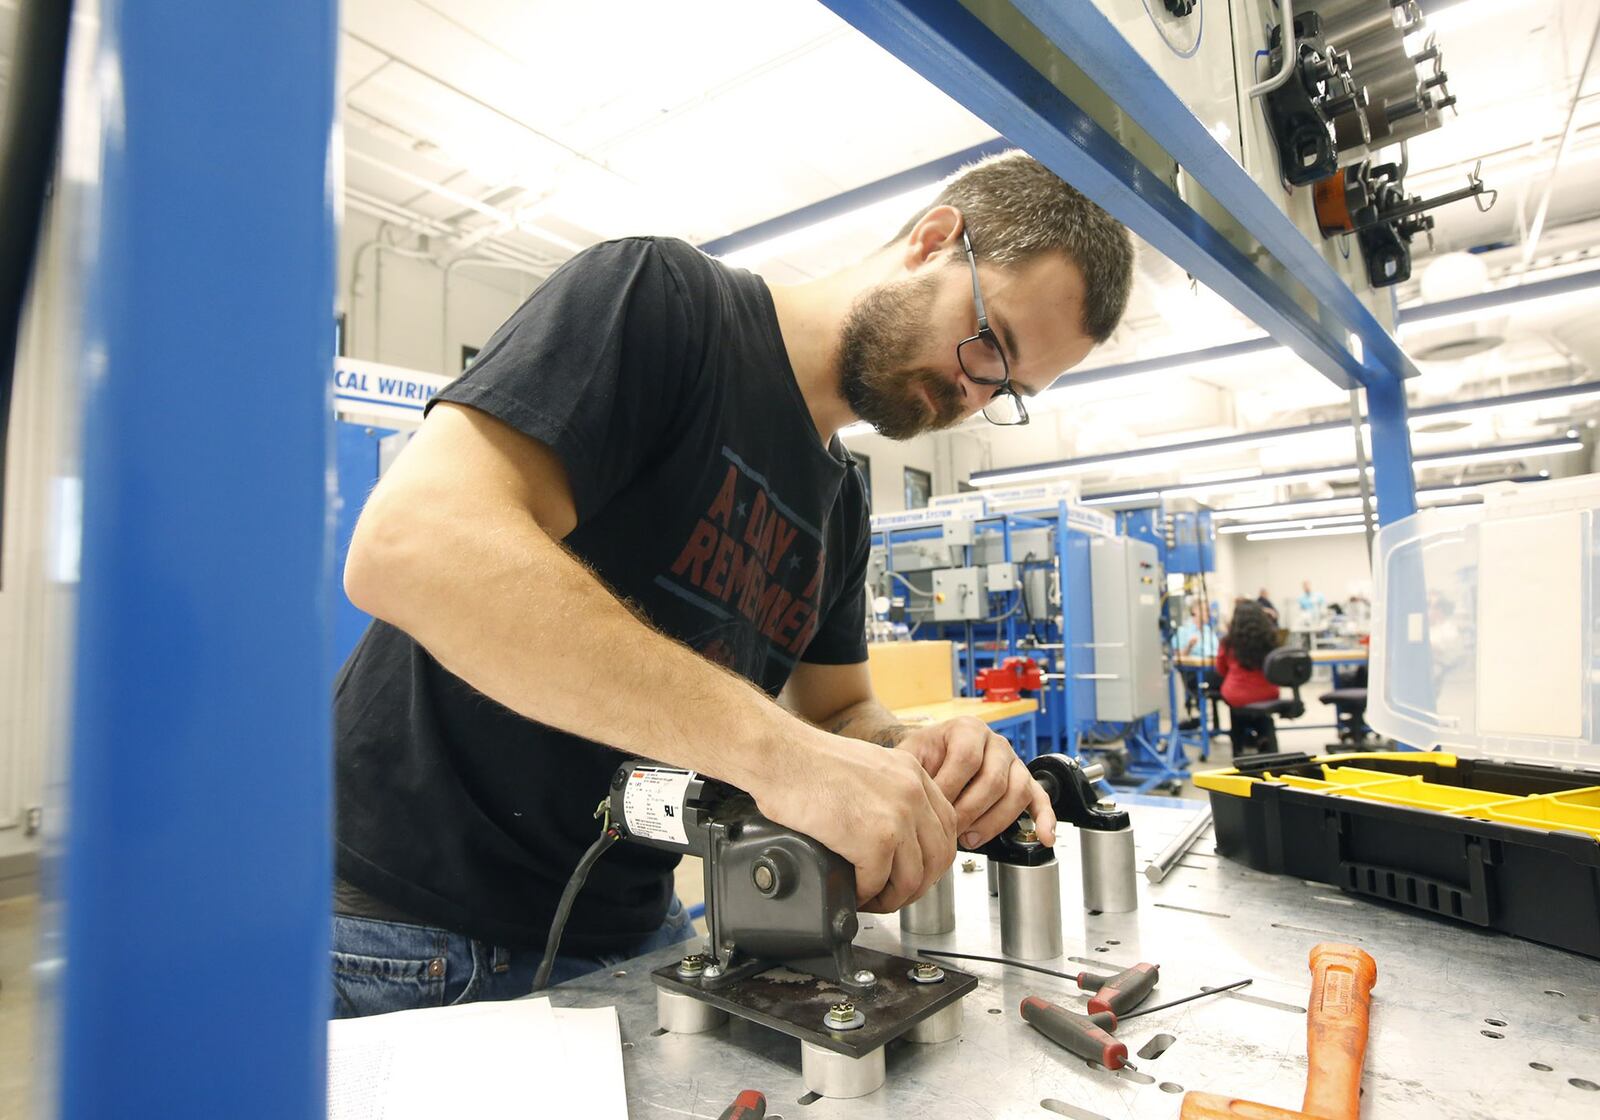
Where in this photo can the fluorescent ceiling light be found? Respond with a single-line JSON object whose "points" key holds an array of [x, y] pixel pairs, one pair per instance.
{"points": [[1327, 474], [896, 207], [1279, 510], [1310, 523], [1153, 457], [1566, 394], [1429, 496], [1470, 309], [1123, 499], [1501, 454], [1337, 531], [1345, 474]]}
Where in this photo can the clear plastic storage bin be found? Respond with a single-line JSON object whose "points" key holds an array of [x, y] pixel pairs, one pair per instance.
{"points": [[1486, 632]]}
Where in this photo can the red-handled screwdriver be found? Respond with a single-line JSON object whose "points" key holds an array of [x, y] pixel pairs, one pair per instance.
{"points": [[1085, 1037], [748, 1105], [1123, 992]]}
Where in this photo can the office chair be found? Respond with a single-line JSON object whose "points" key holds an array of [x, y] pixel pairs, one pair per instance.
{"points": [[1349, 700], [1254, 729]]}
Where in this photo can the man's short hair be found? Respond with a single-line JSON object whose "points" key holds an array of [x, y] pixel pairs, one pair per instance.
{"points": [[1016, 208]]}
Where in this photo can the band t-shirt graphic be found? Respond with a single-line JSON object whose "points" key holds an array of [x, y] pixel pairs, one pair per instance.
{"points": [[705, 498]]}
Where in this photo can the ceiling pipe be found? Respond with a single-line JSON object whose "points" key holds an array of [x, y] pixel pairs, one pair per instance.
{"points": [[1530, 247]]}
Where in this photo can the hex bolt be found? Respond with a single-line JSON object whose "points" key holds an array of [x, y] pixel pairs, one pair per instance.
{"points": [[969, 865], [842, 1014], [925, 973], [692, 965]]}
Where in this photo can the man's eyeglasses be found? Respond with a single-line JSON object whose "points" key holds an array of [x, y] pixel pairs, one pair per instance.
{"points": [[984, 362]]}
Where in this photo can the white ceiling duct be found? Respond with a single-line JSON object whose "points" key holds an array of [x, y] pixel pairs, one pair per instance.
{"points": [[1446, 277]]}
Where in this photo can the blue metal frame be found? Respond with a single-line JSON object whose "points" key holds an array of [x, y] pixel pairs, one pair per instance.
{"points": [[197, 870], [1394, 485]]}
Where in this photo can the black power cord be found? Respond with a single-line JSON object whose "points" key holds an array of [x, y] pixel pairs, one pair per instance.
{"points": [[1073, 977], [28, 134], [568, 896]]}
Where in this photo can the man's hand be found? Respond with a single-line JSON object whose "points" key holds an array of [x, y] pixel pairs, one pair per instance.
{"points": [[983, 778], [877, 808]]}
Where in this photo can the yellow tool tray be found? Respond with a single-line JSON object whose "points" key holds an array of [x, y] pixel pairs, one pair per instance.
{"points": [[1344, 775], [1509, 846]]}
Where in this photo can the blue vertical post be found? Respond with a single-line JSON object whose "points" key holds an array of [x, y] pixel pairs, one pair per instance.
{"points": [[1393, 481], [1068, 742], [197, 862]]}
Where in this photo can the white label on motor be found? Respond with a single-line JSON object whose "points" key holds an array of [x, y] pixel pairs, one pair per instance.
{"points": [[652, 804]]}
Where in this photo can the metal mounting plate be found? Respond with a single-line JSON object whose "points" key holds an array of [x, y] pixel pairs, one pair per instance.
{"points": [[796, 1002]]}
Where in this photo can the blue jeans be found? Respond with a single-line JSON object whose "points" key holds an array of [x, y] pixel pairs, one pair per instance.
{"points": [[391, 966]]}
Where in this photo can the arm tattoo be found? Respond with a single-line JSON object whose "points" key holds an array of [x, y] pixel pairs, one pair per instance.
{"points": [[886, 736], [890, 736]]}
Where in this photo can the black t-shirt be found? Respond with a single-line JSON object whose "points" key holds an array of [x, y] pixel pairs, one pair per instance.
{"points": [[705, 497]]}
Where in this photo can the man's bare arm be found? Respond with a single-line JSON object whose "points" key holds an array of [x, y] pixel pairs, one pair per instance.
{"points": [[459, 547]]}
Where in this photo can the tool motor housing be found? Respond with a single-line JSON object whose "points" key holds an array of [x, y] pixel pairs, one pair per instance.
{"points": [[772, 894]]}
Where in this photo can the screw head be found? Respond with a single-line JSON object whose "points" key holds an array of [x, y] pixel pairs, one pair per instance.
{"points": [[842, 1012], [692, 965], [924, 972], [864, 976], [969, 865], [713, 970], [763, 877]]}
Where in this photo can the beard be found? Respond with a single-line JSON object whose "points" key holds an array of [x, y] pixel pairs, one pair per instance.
{"points": [[880, 335]]}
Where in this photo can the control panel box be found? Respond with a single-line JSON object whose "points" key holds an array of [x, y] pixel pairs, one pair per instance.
{"points": [[959, 595], [1002, 577], [957, 532], [1127, 586]]}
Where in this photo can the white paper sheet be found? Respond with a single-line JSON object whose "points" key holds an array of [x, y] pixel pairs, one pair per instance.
{"points": [[520, 1058]]}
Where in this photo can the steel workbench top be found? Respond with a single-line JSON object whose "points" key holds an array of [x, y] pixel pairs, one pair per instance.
{"points": [[1465, 1023]]}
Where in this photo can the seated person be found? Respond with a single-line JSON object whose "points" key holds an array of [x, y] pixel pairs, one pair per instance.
{"points": [[1197, 638], [1251, 636]]}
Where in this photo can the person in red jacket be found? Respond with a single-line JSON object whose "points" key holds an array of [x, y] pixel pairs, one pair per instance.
{"points": [[1251, 636]]}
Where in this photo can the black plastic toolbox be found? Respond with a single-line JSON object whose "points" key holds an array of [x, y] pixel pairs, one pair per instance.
{"points": [[1509, 846]]}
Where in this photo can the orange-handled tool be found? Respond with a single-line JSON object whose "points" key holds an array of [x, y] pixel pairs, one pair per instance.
{"points": [[1342, 978]]}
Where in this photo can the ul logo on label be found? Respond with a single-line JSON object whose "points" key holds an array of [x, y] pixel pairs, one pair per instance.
{"points": [[670, 810]]}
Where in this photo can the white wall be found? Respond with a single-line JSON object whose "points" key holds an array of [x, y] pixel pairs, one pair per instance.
{"points": [[39, 585], [889, 458], [1335, 566], [398, 311]]}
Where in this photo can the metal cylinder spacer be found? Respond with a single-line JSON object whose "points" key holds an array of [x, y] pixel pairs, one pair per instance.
{"points": [[1109, 879], [682, 1014], [934, 912], [942, 1026], [1030, 911], [838, 1075]]}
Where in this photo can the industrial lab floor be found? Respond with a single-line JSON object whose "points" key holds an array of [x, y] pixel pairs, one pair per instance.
{"points": [[19, 922]]}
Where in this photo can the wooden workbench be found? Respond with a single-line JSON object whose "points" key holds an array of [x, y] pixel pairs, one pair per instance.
{"points": [[1318, 657], [1013, 718]]}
